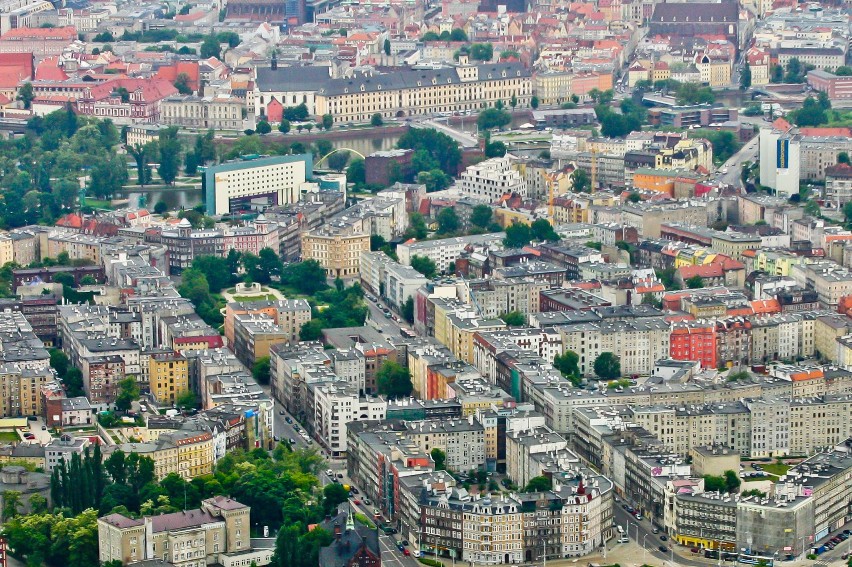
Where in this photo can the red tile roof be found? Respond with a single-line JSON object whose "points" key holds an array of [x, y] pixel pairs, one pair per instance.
{"points": [[67, 33], [152, 89], [48, 70]]}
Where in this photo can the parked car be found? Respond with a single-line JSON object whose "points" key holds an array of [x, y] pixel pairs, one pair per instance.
{"points": [[663, 548], [356, 502], [623, 540], [405, 551], [663, 538], [353, 490], [281, 412]]}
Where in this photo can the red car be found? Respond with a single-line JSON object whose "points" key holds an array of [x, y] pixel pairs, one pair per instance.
{"points": [[356, 502], [406, 552]]}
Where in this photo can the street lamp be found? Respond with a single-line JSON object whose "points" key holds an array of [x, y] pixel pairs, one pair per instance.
{"points": [[644, 549], [635, 525]]}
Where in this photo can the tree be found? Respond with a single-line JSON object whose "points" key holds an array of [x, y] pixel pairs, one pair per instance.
{"points": [[812, 208], [434, 180], [458, 34], [634, 197], [387, 47], [210, 48], [260, 370], [695, 282], [59, 361], [568, 363], [518, 235], [777, 74], [539, 484], [186, 400], [493, 118], [513, 318], [693, 93], [337, 161], [745, 78], [190, 164], [333, 495], [284, 126], [580, 181], [495, 149], [296, 113], [481, 51], [408, 310], [843, 157], [376, 120], [263, 127], [11, 503], [128, 392], [481, 216], [356, 173], [534, 102], [424, 265], [182, 84], [448, 221], [441, 147], [607, 366], [311, 331], [823, 101], [843, 71], [170, 150], [26, 95], [811, 114], [73, 383], [439, 457], [724, 143], [732, 481], [417, 228], [394, 380], [542, 230], [794, 70]]}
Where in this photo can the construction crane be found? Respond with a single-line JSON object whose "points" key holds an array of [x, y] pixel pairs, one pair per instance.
{"points": [[593, 186]]}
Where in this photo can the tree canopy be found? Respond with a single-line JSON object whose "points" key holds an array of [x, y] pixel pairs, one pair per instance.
{"points": [[607, 366], [394, 380], [424, 265]]}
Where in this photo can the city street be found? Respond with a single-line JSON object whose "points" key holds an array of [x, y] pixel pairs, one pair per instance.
{"points": [[378, 320], [748, 152]]}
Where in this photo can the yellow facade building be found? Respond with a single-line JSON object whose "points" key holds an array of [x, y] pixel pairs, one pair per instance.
{"points": [[338, 251], [424, 91], [168, 374]]}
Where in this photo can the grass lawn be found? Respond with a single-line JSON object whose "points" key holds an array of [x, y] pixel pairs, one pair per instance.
{"points": [[268, 297], [9, 436], [290, 292], [776, 469], [96, 203]]}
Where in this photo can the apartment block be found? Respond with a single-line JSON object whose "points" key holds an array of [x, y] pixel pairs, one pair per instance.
{"points": [[168, 376], [218, 532]]}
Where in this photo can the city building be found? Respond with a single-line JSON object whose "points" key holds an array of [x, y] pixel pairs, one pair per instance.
{"points": [[218, 532], [255, 182], [492, 179], [168, 375]]}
